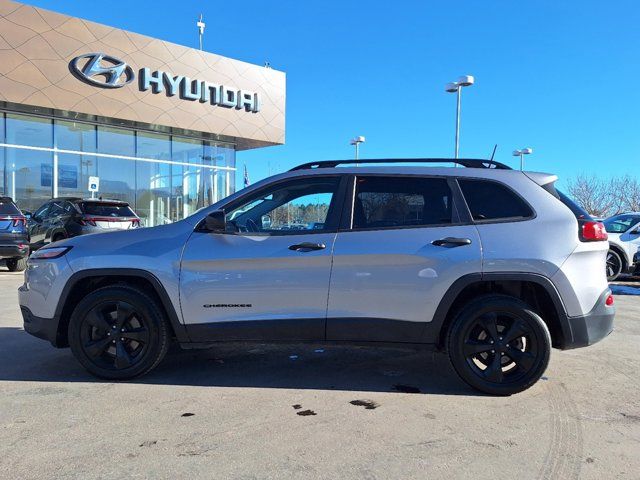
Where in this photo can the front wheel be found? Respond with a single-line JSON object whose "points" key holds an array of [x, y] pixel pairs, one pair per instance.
{"points": [[499, 345], [118, 333], [614, 265]]}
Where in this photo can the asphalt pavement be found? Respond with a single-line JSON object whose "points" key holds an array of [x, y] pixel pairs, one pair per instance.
{"points": [[315, 411]]}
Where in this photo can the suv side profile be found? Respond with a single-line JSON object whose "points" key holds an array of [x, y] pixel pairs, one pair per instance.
{"points": [[489, 264]]}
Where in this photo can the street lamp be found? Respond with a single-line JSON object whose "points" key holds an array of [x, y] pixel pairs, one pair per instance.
{"points": [[456, 87], [521, 153], [357, 141]]}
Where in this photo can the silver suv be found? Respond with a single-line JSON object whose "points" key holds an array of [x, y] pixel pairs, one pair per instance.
{"points": [[492, 265]]}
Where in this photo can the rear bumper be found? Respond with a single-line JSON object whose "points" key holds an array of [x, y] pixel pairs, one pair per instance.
{"points": [[588, 329], [45, 328], [13, 251]]}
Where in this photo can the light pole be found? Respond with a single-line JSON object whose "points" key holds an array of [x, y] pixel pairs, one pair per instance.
{"points": [[357, 141], [456, 87], [521, 153], [200, 24]]}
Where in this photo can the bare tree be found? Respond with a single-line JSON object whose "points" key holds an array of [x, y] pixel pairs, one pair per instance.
{"points": [[625, 192], [592, 193]]}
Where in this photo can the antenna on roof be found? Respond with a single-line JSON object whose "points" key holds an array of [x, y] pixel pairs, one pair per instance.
{"points": [[494, 152]]}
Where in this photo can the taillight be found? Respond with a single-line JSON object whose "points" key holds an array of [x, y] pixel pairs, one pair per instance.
{"points": [[609, 301], [593, 232], [86, 220], [17, 221], [135, 222]]}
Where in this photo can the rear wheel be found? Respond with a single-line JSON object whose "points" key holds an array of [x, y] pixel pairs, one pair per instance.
{"points": [[118, 333], [499, 345], [16, 264], [614, 265]]}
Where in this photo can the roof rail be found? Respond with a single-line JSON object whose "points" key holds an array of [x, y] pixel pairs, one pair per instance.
{"points": [[465, 162]]}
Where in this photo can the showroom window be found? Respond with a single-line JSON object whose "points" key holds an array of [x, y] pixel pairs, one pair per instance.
{"points": [[29, 173], [164, 178]]}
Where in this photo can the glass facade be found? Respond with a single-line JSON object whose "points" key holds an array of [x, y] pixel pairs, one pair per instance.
{"points": [[163, 177]]}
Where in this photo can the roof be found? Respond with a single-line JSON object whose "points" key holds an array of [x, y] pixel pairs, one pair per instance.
{"points": [[96, 200]]}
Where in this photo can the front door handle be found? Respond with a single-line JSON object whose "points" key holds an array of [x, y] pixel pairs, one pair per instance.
{"points": [[451, 242], [307, 247]]}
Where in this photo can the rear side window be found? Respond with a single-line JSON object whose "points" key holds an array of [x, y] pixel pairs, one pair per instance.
{"points": [[383, 202], [489, 200], [106, 209], [8, 208]]}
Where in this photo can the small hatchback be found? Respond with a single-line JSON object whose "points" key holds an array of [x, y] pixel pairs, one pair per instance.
{"points": [[489, 264]]}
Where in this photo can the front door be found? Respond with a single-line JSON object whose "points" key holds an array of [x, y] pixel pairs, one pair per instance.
{"points": [[38, 225], [404, 246], [267, 277]]}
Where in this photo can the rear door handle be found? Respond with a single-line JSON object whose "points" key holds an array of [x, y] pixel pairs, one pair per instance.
{"points": [[451, 242], [307, 247]]}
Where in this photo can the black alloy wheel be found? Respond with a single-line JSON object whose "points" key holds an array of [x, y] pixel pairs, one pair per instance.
{"points": [[499, 345], [118, 333], [614, 265]]}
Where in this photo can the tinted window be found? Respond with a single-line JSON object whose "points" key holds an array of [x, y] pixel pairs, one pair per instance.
{"points": [[101, 209], [8, 208], [401, 202], [579, 212], [492, 201], [42, 211], [287, 208], [621, 223]]}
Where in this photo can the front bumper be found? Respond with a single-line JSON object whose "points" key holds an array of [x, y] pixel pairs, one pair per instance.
{"points": [[588, 329], [45, 328]]}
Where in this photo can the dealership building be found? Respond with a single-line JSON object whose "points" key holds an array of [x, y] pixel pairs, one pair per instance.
{"points": [[157, 123]]}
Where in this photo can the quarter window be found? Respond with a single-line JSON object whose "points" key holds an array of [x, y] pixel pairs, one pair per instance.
{"points": [[388, 202], [493, 201]]}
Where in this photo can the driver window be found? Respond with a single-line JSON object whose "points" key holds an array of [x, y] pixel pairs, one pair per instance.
{"points": [[289, 208], [41, 213]]}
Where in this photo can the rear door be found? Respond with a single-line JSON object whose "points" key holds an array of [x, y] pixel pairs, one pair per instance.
{"points": [[403, 246]]}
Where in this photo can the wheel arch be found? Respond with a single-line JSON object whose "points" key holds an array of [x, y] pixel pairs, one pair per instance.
{"points": [[84, 282], [537, 290], [622, 253]]}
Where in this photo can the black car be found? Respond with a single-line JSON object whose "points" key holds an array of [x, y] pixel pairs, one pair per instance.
{"points": [[14, 237], [61, 218]]}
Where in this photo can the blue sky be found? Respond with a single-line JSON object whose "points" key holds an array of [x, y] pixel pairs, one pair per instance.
{"points": [[559, 76]]}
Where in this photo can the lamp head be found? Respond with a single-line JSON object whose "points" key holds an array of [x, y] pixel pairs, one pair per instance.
{"points": [[466, 80], [451, 87], [527, 151]]}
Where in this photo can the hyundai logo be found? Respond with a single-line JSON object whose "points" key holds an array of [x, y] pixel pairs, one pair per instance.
{"points": [[102, 70]]}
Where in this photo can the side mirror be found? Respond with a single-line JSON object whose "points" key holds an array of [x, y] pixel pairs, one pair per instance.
{"points": [[27, 215], [215, 222]]}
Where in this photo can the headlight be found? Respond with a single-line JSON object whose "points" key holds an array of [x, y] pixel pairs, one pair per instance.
{"points": [[47, 253]]}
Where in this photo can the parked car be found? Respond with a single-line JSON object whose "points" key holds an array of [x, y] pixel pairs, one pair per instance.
{"points": [[68, 217], [14, 237], [489, 264], [624, 240]]}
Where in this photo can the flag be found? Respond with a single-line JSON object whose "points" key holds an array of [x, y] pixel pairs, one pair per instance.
{"points": [[246, 176]]}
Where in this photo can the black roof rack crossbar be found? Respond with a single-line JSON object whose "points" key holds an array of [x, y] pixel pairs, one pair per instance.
{"points": [[465, 162]]}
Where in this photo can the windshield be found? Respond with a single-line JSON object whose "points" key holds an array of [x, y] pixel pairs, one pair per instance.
{"points": [[101, 209], [620, 223]]}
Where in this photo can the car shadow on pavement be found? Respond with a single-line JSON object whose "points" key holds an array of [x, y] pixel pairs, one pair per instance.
{"points": [[304, 366]]}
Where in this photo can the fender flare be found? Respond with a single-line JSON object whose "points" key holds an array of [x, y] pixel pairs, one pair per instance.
{"points": [[433, 335], [178, 328]]}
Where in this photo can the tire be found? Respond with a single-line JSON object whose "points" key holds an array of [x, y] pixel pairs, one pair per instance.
{"points": [[614, 265], [141, 333], [58, 236], [16, 264], [481, 330]]}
